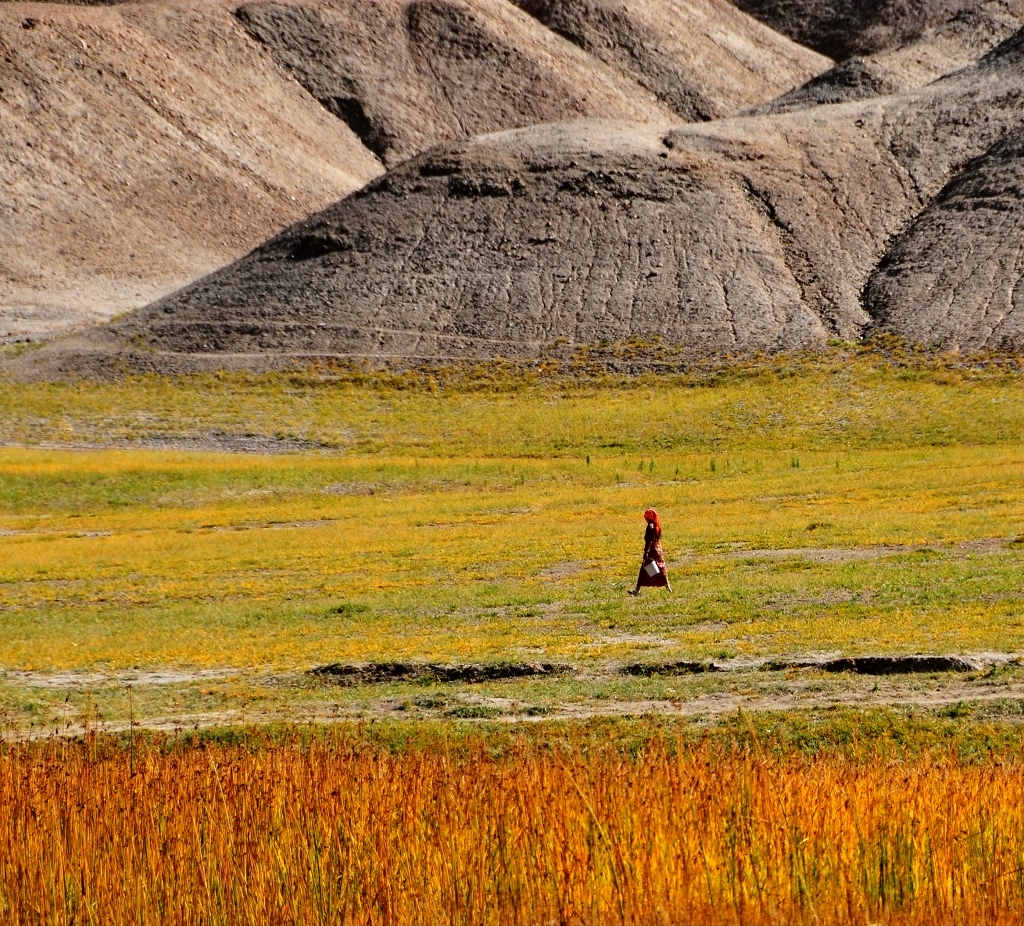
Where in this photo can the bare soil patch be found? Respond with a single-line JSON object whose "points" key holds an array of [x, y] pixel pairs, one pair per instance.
{"points": [[981, 546], [208, 442], [75, 680], [751, 691], [562, 570], [718, 704], [642, 639]]}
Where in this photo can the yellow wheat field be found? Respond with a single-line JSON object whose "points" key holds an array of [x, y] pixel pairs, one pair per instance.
{"points": [[338, 833]]}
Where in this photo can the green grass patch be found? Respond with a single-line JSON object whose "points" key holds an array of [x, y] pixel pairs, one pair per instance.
{"points": [[888, 734], [838, 503]]}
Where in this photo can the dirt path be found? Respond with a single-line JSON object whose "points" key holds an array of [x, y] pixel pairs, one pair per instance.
{"points": [[706, 707], [75, 680], [991, 683]]}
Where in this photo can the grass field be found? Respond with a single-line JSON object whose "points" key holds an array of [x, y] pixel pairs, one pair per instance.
{"points": [[176, 555], [838, 505]]}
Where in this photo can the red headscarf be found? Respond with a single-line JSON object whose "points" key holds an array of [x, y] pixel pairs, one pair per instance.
{"points": [[652, 516]]}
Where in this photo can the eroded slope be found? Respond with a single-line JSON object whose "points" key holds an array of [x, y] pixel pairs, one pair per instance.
{"points": [[955, 279], [143, 145], [936, 51], [703, 59], [740, 235], [844, 28], [406, 75], [146, 143]]}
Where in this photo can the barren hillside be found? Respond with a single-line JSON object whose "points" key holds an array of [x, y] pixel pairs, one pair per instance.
{"points": [[955, 278], [939, 49], [738, 235], [845, 28], [143, 145], [147, 143], [406, 75], [702, 58]]}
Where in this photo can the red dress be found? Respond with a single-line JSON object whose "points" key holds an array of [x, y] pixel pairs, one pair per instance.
{"points": [[653, 554]]}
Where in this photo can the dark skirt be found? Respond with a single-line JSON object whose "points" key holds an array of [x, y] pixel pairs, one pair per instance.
{"points": [[660, 580]]}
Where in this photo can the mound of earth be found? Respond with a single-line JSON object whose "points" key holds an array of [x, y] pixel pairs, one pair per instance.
{"points": [[143, 145], [953, 43], [853, 79], [955, 278], [702, 59], [85, 2], [405, 75], [147, 143], [861, 665], [844, 28], [936, 51], [1008, 54], [753, 234], [377, 672]]}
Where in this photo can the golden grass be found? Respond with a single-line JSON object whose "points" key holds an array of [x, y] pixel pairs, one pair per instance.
{"points": [[838, 503], [475, 518], [134, 558], [340, 833], [823, 401]]}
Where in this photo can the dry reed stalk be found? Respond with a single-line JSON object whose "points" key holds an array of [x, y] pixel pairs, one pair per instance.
{"points": [[341, 834]]}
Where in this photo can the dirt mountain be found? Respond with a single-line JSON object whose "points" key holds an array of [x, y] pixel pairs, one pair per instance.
{"points": [[935, 51], [756, 233], [147, 142], [143, 144], [846, 28], [952, 42], [955, 278], [405, 76], [702, 58]]}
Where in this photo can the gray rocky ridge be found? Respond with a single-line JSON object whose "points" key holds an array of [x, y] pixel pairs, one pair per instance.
{"points": [[145, 144], [955, 278], [897, 208]]}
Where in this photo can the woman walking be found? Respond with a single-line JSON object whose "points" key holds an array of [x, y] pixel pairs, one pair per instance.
{"points": [[652, 570]]}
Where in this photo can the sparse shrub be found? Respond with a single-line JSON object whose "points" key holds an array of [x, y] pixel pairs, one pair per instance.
{"points": [[348, 609], [472, 711]]}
